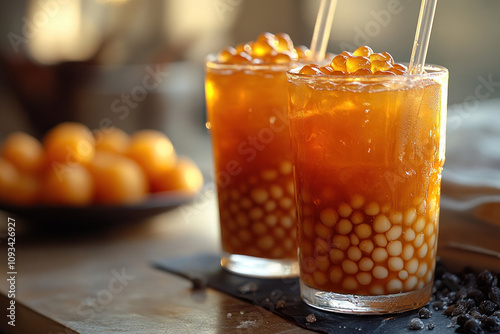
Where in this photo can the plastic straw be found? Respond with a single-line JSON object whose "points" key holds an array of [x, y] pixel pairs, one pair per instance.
{"points": [[322, 29], [422, 36]]}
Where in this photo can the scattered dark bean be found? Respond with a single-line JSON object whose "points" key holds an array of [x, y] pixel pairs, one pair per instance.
{"points": [[431, 326], [485, 280], [311, 318], [495, 295], [473, 326], [487, 307], [462, 319], [416, 324], [459, 309], [424, 313], [491, 324], [476, 315], [451, 281], [449, 310]]}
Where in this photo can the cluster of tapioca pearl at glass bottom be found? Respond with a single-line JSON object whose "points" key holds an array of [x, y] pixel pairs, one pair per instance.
{"points": [[268, 48], [259, 215], [363, 61], [373, 250]]}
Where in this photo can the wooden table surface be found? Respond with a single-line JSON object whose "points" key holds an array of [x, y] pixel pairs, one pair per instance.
{"points": [[102, 282]]}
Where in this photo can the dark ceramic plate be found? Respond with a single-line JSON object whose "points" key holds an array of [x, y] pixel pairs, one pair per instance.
{"points": [[45, 216]]}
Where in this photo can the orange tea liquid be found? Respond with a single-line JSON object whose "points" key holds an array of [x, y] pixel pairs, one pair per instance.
{"points": [[368, 155]]}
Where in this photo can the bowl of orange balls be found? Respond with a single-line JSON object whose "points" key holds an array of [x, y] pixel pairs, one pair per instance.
{"points": [[75, 175]]}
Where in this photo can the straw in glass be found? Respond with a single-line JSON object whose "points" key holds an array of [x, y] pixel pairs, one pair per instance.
{"points": [[322, 29], [422, 36]]}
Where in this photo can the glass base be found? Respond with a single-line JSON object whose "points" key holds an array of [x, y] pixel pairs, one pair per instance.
{"points": [[357, 304], [259, 267]]}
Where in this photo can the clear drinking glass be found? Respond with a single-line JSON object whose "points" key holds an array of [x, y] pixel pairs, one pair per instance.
{"points": [[248, 122], [368, 152]]}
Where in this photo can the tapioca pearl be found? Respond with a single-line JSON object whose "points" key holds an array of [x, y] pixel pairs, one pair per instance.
{"points": [[271, 220], [269, 174], [380, 240], [293, 213], [321, 247], [410, 216], [394, 233], [366, 246], [422, 251], [394, 286], [422, 269], [363, 231], [385, 208], [354, 239], [403, 274], [422, 207], [341, 242], [319, 278], [329, 217], [395, 264], [307, 227], [420, 284], [288, 244], [377, 290], [429, 230], [275, 191], [372, 209], [380, 272], [365, 264], [286, 167], [336, 274], [293, 233], [379, 254], [395, 248], [429, 277], [286, 222], [357, 217], [242, 219], [432, 241], [381, 224], [364, 278], [411, 266], [409, 235], [432, 253], [350, 283], [357, 201], [277, 252], [286, 203], [349, 267], [396, 218], [290, 188], [336, 256], [354, 253], [234, 208], [256, 213], [408, 251], [307, 279], [279, 232], [245, 235], [246, 203], [270, 206], [234, 194], [411, 283], [419, 224], [345, 210], [419, 240], [431, 207], [259, 195], [265, 242], [344, 226], [322, 231], [259, 228], [323, 263]]}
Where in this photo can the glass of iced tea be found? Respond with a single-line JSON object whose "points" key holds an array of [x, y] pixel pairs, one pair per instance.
{"points": [[246, 99], [368, 144]]}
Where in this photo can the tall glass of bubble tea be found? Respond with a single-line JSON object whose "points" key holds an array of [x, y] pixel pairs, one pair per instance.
{"points": [[247, 117], [368, 144]]}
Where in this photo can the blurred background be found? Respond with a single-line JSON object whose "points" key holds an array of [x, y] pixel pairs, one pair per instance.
{"points": [[139, 63]]}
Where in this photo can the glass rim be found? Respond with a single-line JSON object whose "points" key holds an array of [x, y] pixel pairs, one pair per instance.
{"points": [[432, 71], [212, 63]]}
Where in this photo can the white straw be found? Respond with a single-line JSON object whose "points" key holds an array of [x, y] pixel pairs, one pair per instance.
{"points": [[422, 36], [322, 29]]}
